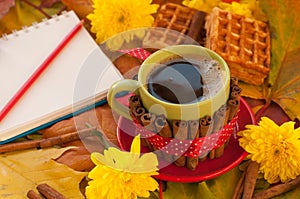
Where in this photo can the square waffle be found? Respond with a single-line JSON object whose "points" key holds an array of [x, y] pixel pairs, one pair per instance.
{"points": [[171, 25], [243, 43]]}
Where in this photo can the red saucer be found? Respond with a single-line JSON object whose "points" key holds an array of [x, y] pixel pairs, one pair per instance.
{"points": [[210, 168]]}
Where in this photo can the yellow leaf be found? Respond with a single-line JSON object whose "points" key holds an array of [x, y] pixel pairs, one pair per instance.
{"points": [[23, 171]]}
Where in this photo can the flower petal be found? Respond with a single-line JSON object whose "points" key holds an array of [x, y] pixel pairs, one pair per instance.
{"points": [[136, 145], [97, 158]]}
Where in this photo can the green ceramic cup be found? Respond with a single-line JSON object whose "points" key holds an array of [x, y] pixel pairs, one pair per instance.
{"points": [[172, 111]]}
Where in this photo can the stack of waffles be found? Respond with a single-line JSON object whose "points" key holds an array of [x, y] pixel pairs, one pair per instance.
{"points": [[243, 43]]}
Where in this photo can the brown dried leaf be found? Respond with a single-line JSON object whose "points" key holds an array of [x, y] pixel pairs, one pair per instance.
{"points": [[79, 158], [126, 63], [48, 3], [5, 5], [81, 7]]}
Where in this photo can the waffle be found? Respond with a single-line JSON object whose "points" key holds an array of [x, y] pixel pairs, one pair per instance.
{"points": [[243, 43], [171, 25]]}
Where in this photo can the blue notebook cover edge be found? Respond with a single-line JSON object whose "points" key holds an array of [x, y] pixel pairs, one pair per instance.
{"points": [[34, 130]]}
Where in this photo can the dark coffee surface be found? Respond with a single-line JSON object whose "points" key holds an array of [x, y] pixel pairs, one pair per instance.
{"points": [[177, 82]]}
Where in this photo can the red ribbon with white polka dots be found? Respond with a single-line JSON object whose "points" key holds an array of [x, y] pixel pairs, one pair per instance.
{"points": [[139, 53], [189, 148]]}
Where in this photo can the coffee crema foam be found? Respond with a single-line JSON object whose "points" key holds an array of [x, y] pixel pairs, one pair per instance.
{"points": [[213, 76]]}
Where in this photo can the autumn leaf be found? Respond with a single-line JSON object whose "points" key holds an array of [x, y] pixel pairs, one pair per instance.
{"points": [[181, 190], [217, 188], [283, 84], [5, 5], [81, 7], [23, 171], [22, 14], [221, 187], [48, 3]]}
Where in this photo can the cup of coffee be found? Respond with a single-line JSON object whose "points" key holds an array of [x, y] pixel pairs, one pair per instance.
{"points": [[182, 82]]}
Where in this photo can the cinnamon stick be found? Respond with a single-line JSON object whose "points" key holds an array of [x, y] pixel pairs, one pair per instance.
{"points": [[235, 95], [148, 121], [250, 180], [234, 98], [134, 101], [49, 192], [233, 105], [212, 154], [192, 163], [193, 129], [277, 190], [47, 142], [238, 191], [205, 128], [220, 119], [162, 126], [220, 150], [237, 89], [233, 81], [62, 139], [164, 130], [137, 112], [180, 131], [32, 195]]}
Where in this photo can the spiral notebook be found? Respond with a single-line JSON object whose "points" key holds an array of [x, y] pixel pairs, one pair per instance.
{"points": [[76, 80]]}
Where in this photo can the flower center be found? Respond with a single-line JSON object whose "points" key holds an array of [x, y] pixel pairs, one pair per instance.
{"points": [[276, 152], [126, 177], [121, 19]]}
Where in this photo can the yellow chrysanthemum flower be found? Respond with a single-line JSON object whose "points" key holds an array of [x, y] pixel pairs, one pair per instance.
{"points": [[119, 174], [247, 8], [202, 5], [275, 148], [237, 8], [111, 17]]}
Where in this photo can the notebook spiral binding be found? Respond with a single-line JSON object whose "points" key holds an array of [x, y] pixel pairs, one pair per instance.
{"points": [[34, 25]]}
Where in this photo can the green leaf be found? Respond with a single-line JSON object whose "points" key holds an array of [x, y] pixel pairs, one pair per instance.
{"points": [[221, 187], [284, 77], [181, 190]]}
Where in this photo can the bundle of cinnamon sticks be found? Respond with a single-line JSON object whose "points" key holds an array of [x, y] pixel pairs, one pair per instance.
{"points": [[245, 187], [187, 130]]}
